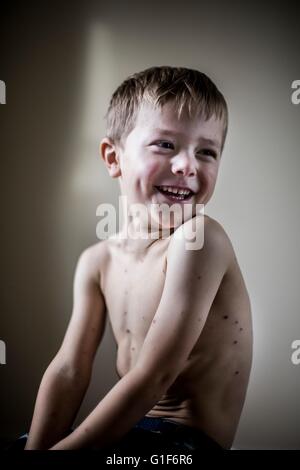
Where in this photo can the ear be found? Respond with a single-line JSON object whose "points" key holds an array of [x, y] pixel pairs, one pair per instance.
{"points": [[109, 153]]}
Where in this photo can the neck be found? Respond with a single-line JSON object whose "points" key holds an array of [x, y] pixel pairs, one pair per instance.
{"points": [[137, 235]]}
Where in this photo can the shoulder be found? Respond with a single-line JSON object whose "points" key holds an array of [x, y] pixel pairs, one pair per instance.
{"points": [[201, 234], [92, 258]]}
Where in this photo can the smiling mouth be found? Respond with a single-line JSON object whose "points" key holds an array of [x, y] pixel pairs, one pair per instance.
{"points": [[175, 194]]}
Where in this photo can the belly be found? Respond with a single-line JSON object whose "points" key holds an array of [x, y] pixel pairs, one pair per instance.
{"points": [[207, 394]]}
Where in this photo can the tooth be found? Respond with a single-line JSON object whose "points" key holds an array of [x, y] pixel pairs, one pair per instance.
{"points": [[173, 190]]}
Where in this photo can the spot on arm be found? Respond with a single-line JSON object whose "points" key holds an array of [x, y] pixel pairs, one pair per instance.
{"points": [[225, 317]]}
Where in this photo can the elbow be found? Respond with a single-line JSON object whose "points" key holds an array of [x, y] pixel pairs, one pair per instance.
{"points": [[157, 381], [76, 373]]}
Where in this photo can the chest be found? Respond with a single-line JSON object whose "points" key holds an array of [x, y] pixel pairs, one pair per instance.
{"points": [[132, 289]]}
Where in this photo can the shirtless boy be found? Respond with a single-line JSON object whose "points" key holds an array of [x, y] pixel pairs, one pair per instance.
{"points": [[181, 318]]}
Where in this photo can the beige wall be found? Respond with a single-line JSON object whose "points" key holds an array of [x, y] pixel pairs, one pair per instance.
{"points": [[60, 68]]}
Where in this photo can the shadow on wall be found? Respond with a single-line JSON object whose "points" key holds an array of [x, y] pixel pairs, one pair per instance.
{"points": [[48, 219]]}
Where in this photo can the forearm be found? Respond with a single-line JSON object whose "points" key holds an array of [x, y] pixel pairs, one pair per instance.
{"points": [[58, 400], [126, 403]]}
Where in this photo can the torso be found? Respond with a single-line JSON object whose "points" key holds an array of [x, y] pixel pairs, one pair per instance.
{"points": [[210, 391]]}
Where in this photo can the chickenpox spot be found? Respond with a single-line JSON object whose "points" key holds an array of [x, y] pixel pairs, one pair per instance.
{"points": [[234, 342], [125, 270], [241, 329], [132, 349], [143, 318], [199, 277], [154, 321], [225, 317], [199, 319], [236, 322], [126, 292], [236, 372], [127, 331], [125, 313]]}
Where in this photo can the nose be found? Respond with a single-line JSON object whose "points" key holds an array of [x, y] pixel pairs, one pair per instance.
{"points": [[184, 165]]}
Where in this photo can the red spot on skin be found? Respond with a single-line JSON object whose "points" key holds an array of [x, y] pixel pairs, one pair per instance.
{"points": [[236, 322], [225, 317], [241, 329], [199, 277], [154, 321], [127, 331], [143, 318], [199, 319], [236, 372], [234, 342], [132, 349], [125, 270], [125, 313]]}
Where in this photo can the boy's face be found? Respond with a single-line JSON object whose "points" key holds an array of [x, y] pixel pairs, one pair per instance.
{"points": [[162, 151]]}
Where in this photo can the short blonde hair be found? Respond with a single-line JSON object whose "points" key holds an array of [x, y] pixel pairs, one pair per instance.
{"points": [[188, 89]]}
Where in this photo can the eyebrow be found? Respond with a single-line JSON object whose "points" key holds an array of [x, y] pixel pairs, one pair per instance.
{"points": [[212, 142]]}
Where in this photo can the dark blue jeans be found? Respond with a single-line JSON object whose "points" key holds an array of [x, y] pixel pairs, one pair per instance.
{"points": [[152, 436], [163, 436]]}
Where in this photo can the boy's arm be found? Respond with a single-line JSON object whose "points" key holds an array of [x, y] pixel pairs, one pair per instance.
{"points": [[192, 281], [66, 379]]}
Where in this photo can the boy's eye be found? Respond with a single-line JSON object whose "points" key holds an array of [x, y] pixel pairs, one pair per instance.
{"points": [[164, 144], [208, 152]]}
